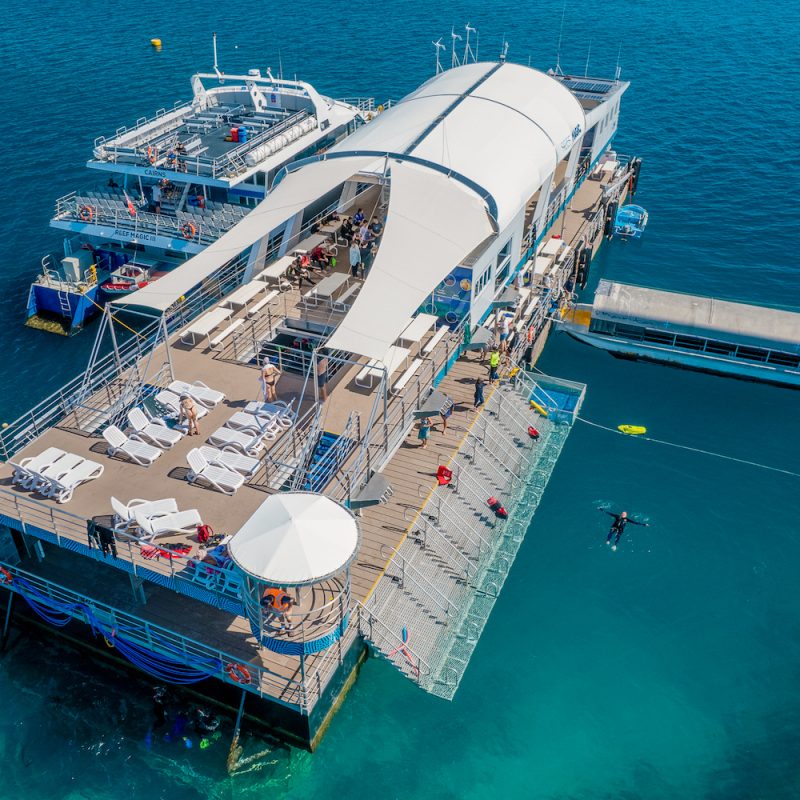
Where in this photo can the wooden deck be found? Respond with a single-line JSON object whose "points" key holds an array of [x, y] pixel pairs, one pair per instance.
{"points": [[411, 471]]}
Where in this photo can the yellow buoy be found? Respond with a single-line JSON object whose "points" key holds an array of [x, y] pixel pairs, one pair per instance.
{"points": [[632, 430], [155, 42]]}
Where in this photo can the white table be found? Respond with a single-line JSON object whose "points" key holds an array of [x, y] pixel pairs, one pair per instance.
{"points": [[244, 294], [207, 323], [307, 245], [327, 287], [277, 270], [609, 166], [552, 247], [374, 368], [541, 265], [417, 328]]}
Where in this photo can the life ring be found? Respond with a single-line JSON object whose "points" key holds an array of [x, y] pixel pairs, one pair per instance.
{"points": [[86, 213], [6, 577], [188, 230], [239, 674]]}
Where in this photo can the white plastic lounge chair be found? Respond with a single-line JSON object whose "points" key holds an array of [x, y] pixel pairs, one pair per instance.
{"points": [[242, 421], [279, 407], [198, 391], [41, 480], [150, 508], [154, 431], [135, 449], [179, 522], [172, 401], [282, 417], [221, 478], [240, 440], [247, 465], [62, 489], [27, 468]]}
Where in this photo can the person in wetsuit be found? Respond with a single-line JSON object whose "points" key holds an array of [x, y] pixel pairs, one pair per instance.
{"points": [[618, 525]]}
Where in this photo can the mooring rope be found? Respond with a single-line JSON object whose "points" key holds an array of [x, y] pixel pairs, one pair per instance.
{"points": [[692, 449]]}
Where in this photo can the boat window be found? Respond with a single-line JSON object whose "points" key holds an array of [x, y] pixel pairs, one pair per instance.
{"points": [[659, 337], [601, 326], [720, 348], [784, 359], [751, 353], [630, 332], [689, 342]]}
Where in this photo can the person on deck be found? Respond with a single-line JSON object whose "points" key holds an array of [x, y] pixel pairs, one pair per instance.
{"points": [[269, 381], [355, 258], [494, 364], [188, 412], [277, 603], [424, 432], [346, 231], [358, 217], [480, 384], [376, 226], [618, 525]]}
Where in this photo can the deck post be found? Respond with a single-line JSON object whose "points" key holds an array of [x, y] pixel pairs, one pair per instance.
{"points": [[7, 623], [235, 751]]}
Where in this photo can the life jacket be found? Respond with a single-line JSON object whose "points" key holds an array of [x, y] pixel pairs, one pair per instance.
{"points": [[278, 599], [532, 432], [204, 533]]}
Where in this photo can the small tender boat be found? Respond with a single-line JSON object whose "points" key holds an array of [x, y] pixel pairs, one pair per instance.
{"points": [[126, 279]]}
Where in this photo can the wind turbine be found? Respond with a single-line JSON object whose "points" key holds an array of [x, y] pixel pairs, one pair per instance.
{"points": [[467, 49], [439, 47], [454, 62]]}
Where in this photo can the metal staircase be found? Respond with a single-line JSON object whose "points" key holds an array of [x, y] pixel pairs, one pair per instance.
{"points": [[429, 609]]}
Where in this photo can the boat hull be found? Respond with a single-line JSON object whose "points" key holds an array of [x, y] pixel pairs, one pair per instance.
{"points": [[699, 362]]}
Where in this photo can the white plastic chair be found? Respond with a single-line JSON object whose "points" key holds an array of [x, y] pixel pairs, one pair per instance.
{"points": [[240, 440], [242, 421], [247, 465], [61, 489], [185, 522], [135, 449], [221, 478], [172, 401], [28, 468], [150, 508], [154, 431], [198, 391]]}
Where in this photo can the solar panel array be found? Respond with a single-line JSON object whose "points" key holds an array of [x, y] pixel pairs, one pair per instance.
{"points": [[592, 87]]}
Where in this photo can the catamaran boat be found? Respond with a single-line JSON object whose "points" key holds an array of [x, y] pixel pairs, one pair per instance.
{"points": [[702, 333], [175, 182]]}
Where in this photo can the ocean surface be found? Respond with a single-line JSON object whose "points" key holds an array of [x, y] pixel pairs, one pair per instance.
{"points": [[668, 669]]}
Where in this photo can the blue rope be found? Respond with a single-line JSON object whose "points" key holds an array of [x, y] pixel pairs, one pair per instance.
{"points": [[159, 666]]}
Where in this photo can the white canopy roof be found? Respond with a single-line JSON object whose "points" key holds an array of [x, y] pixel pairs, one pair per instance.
{"points": [[296, 538], [433, 223], [296, 191], [503, 126]]}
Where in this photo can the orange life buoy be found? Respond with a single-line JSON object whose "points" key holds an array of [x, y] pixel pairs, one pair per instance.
{"points": [[5, 576], [188, 230], [86, 213], [238, 674]]}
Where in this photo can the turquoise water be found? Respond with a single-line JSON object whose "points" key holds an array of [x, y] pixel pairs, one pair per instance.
{"points": [[667, 669]]}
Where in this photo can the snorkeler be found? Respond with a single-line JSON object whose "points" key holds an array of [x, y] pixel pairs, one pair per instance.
{"points": [[618, 525]]}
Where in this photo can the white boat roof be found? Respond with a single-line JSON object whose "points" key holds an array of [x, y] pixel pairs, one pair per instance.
{"points": [[739, 323], [296, 538], [503, 126]]}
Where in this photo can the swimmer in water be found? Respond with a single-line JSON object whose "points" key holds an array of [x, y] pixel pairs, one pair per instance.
{"points": [[618, 525]]}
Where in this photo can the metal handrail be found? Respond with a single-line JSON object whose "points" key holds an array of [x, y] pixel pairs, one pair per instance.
{"points": [[448, 604], [468, 566]]}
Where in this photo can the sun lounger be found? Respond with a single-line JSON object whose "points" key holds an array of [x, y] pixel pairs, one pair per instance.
{"points": [[198, 391], [242, 421], [41, 480], [185, 522], [172, 402], [241, 440], [135, 449], [247, 465], [221, 478], [62, 489], [150, 508], [154, 431], [280, 409], [27, 468]]}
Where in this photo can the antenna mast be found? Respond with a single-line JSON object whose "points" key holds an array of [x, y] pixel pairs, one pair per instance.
{"points": [[588, 56], [439, 47], [454, 62], [558, 70], [504, 50], [216, 67], [618, 70]]}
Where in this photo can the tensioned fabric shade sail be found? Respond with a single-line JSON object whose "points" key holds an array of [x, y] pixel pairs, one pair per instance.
{"points": [[296, 538], [433, 223], [296, 191]]}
